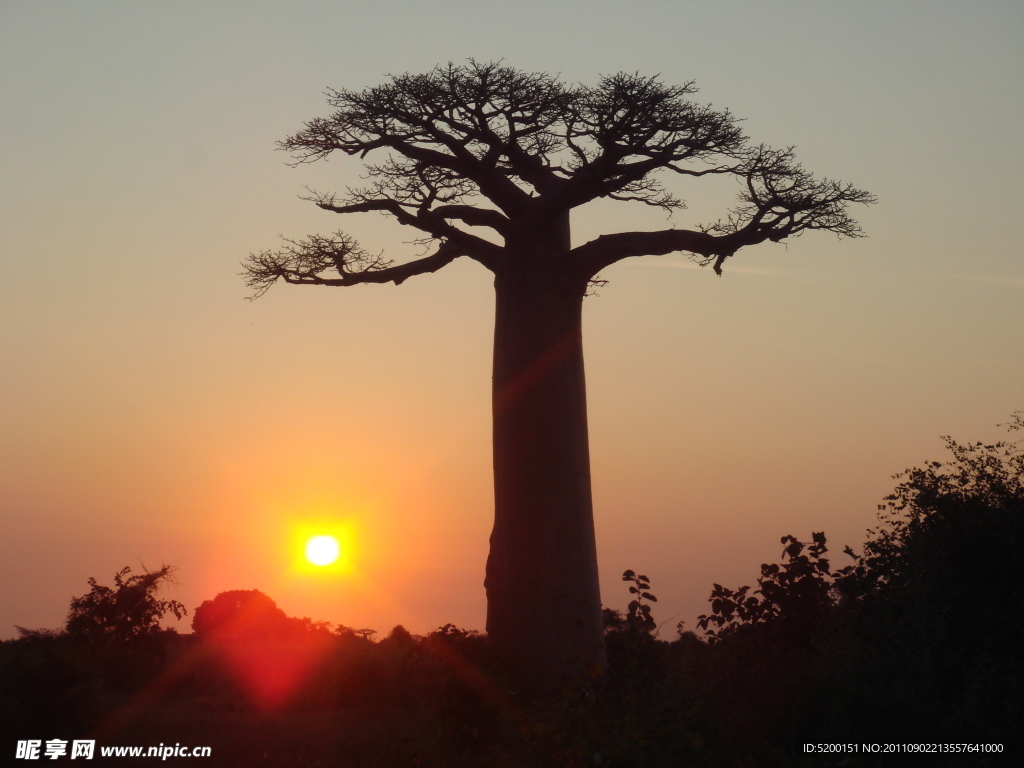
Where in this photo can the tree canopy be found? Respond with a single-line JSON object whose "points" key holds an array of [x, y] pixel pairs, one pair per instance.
{"points": [[477, 153]]}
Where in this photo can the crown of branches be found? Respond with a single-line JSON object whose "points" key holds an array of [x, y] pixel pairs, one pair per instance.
{"points": [[485, 145]]}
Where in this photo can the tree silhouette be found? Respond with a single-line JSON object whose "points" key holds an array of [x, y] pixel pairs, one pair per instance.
{"points": [[126, 611], [487, 163], [238, 614]]}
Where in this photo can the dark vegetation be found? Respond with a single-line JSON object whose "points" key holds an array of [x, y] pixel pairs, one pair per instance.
{"points": [[916, 639]]}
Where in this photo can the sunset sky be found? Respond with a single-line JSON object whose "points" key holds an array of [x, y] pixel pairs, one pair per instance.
{"points": [[151, 415]]}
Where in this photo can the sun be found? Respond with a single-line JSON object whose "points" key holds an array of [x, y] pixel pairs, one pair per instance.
{"points": [[322, 546], [322, 550]]}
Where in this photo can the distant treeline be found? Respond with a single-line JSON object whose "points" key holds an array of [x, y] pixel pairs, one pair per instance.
{"points": [[916, 639]]}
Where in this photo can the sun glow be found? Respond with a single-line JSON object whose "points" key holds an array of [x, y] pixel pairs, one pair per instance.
{"points": [[323, 547], [322, 550]]}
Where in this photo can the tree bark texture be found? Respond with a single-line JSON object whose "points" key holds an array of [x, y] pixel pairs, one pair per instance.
{"points": [[543, 594]]}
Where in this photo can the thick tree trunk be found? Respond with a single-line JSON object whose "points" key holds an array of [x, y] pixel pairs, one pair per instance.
{"points": [[543, 596]]}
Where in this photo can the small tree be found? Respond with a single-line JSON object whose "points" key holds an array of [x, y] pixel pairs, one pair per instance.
{"points": [[488, 163], [126, 611], [638, 613]]}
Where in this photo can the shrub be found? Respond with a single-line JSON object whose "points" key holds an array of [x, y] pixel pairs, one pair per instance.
{"points": [[126, 611]]}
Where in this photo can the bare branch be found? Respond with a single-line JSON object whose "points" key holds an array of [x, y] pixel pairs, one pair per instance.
{"points": [[594, 256], [780, 199], [484, 145], [425, 220], [475, 217], [629, 127], [304, 262], [479, 121]]}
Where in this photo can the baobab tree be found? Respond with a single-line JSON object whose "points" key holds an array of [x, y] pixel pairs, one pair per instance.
{"points": [[487, 163]]}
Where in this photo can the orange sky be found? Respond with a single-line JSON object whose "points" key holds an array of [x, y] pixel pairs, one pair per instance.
{"points": [[151, 415]]}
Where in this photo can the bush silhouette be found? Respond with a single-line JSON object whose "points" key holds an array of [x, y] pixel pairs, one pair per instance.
{"points": [[794, 595], [241, 614], [918, 639], [125, 612]]}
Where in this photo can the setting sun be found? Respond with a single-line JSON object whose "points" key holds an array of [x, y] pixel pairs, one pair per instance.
{"points": [[323, 546], [322, 550]]}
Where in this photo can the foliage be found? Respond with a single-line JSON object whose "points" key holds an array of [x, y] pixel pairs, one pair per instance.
{"points": [[38, 635], [943, 515], [248, 614], [638, 613], [921, 635], [126, 611], [241, 613], [939, 602], [794, 594], [947, 533]]}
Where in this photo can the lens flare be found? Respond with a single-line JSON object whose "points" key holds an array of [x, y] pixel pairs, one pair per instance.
{"points": [[322, 550]]}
